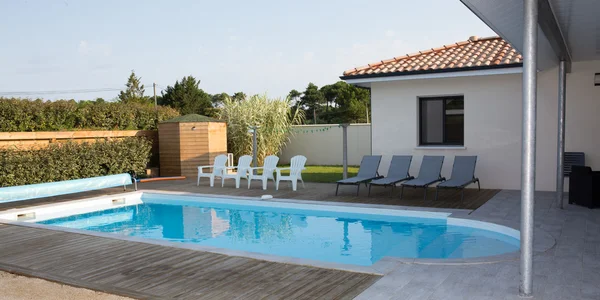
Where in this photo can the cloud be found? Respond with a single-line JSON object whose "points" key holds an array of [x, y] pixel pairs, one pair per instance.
{"points": [[390, 33], [106, 50], [233, 38], [83, 48]]}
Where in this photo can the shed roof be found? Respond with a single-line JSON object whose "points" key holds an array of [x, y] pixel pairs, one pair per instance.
{"points": [[192, 118]]}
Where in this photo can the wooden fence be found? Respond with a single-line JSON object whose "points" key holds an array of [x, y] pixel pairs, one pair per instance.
{"points": [[39, 140]]}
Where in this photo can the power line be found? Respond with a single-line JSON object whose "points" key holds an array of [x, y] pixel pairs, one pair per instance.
{"points": [[54, 92], [70, 91]]}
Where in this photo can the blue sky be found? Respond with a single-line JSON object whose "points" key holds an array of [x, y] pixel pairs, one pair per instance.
{"points": [[250, 46]]}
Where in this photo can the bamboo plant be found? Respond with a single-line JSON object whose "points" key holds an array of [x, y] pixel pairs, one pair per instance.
{"points": [[273, 118]]}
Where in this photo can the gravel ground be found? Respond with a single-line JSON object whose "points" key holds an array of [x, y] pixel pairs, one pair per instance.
{"points": [[14, 287]]}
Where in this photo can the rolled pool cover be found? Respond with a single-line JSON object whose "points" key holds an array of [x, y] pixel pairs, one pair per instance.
{"points": [[161, 179], [49, 189]]}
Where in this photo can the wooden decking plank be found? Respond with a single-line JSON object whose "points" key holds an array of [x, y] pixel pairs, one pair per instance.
{"points": [[118, 270], [326, 282], [210, 280], [181, 271], [333, 290], [237, 278], [282, 276], [159, 268]]}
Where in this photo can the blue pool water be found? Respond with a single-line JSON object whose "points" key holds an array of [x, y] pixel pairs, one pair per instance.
{"points": [[350, 238]]}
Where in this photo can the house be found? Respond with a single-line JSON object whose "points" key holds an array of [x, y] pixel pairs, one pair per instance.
{"points": [[466, 99]]}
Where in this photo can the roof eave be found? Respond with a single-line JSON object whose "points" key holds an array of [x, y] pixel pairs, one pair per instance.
{"points": [[431, 71]]}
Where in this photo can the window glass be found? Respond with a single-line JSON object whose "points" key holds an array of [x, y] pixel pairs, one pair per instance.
{"points": [[442, 120]]}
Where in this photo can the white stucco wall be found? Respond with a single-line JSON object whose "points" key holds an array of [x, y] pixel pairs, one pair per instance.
{"points": [[325, 147], [493, 114]]}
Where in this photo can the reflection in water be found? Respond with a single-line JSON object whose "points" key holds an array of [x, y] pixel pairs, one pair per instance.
{"points": [[337, 237]]}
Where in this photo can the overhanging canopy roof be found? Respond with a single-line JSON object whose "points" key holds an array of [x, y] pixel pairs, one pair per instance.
{"points": [[576, 26]]}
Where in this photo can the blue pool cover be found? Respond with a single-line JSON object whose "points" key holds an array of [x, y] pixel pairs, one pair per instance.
{"points": [[49, 189]]}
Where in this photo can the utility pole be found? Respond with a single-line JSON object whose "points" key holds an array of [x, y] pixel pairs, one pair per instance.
{"points": [[345, 150], [155, 103], [252, 129]]}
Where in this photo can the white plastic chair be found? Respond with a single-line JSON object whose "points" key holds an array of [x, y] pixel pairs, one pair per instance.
{"points": [[218, 169], [268, 168], [241, 171], [296, 166]]}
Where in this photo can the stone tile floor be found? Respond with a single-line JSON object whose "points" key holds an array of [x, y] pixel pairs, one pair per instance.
{"points": [[569, 269]]}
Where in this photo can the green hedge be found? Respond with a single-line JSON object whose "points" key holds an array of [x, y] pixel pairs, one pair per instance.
{"points": [[37, 115], [65, 161]]}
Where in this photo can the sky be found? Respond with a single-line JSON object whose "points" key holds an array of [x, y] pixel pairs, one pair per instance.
{"points": [[54, 46]]}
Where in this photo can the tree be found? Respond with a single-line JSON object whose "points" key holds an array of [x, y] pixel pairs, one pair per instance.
{"points": [[239, 96], [294, 96], [351, 103], [218, 99], [187, 97], [134, 91], [344, 103], [312, 98]]}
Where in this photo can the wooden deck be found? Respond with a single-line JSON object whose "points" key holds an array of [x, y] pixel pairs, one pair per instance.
{"points": [[447, 198], [148, 271]]}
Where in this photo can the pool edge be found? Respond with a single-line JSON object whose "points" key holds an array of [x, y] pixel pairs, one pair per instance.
{"points": [[381, 267]]}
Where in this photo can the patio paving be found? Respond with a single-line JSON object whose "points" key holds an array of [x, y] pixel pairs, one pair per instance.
{"points": [[568, 270]]}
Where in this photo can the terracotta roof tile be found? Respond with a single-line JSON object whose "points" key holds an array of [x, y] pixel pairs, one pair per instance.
{"points": [[493, 51]]}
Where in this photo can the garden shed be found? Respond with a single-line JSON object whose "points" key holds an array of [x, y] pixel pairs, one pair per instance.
{"points": [[189, 141]]}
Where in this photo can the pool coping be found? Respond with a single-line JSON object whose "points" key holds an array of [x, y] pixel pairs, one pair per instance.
{"points": [[384, 266]]}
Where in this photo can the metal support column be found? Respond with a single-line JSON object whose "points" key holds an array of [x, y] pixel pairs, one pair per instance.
{"points": [[252, 129], [345, 149], [560, 149], [530, 29]]}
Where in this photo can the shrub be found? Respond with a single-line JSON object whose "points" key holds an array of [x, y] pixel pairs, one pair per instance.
{"points": [[71, 160], [37, 115], [273, 117]]}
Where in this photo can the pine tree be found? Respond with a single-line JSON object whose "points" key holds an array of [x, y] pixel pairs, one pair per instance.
{"points": [[134, 91]]}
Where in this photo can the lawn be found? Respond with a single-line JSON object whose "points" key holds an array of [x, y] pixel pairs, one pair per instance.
{"points": [[325, 173]]}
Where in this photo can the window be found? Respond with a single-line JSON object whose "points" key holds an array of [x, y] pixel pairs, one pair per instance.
{"points": [[442, 121]]}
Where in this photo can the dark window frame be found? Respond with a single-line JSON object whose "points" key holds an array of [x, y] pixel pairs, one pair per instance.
{"points": [[421, 119]]}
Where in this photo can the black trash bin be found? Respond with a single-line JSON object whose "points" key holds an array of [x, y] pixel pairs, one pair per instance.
{"points": [[584, 186]]}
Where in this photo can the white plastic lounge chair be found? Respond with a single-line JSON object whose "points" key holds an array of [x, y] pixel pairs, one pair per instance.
{"points": [[398, 172], [430, 173], [218, 168], [366, 172], [463, 174], [296, 166], [241, 171], [268, 168]]}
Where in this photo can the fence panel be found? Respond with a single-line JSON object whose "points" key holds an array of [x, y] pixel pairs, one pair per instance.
{"points": [[322, 144]]}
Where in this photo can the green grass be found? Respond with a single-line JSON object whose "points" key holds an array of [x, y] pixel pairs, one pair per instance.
{"points": [[325, 173]]}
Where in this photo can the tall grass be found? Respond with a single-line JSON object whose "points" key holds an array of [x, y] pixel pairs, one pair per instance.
{"points": [[273, 117]]}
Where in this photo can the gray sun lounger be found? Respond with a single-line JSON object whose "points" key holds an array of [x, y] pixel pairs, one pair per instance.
{"points": [[398, 172], [430, 173], [367, 172], [463, 174]]}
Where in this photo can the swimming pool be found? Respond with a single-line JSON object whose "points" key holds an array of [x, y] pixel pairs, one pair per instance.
{"points": [[339, 234]]}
